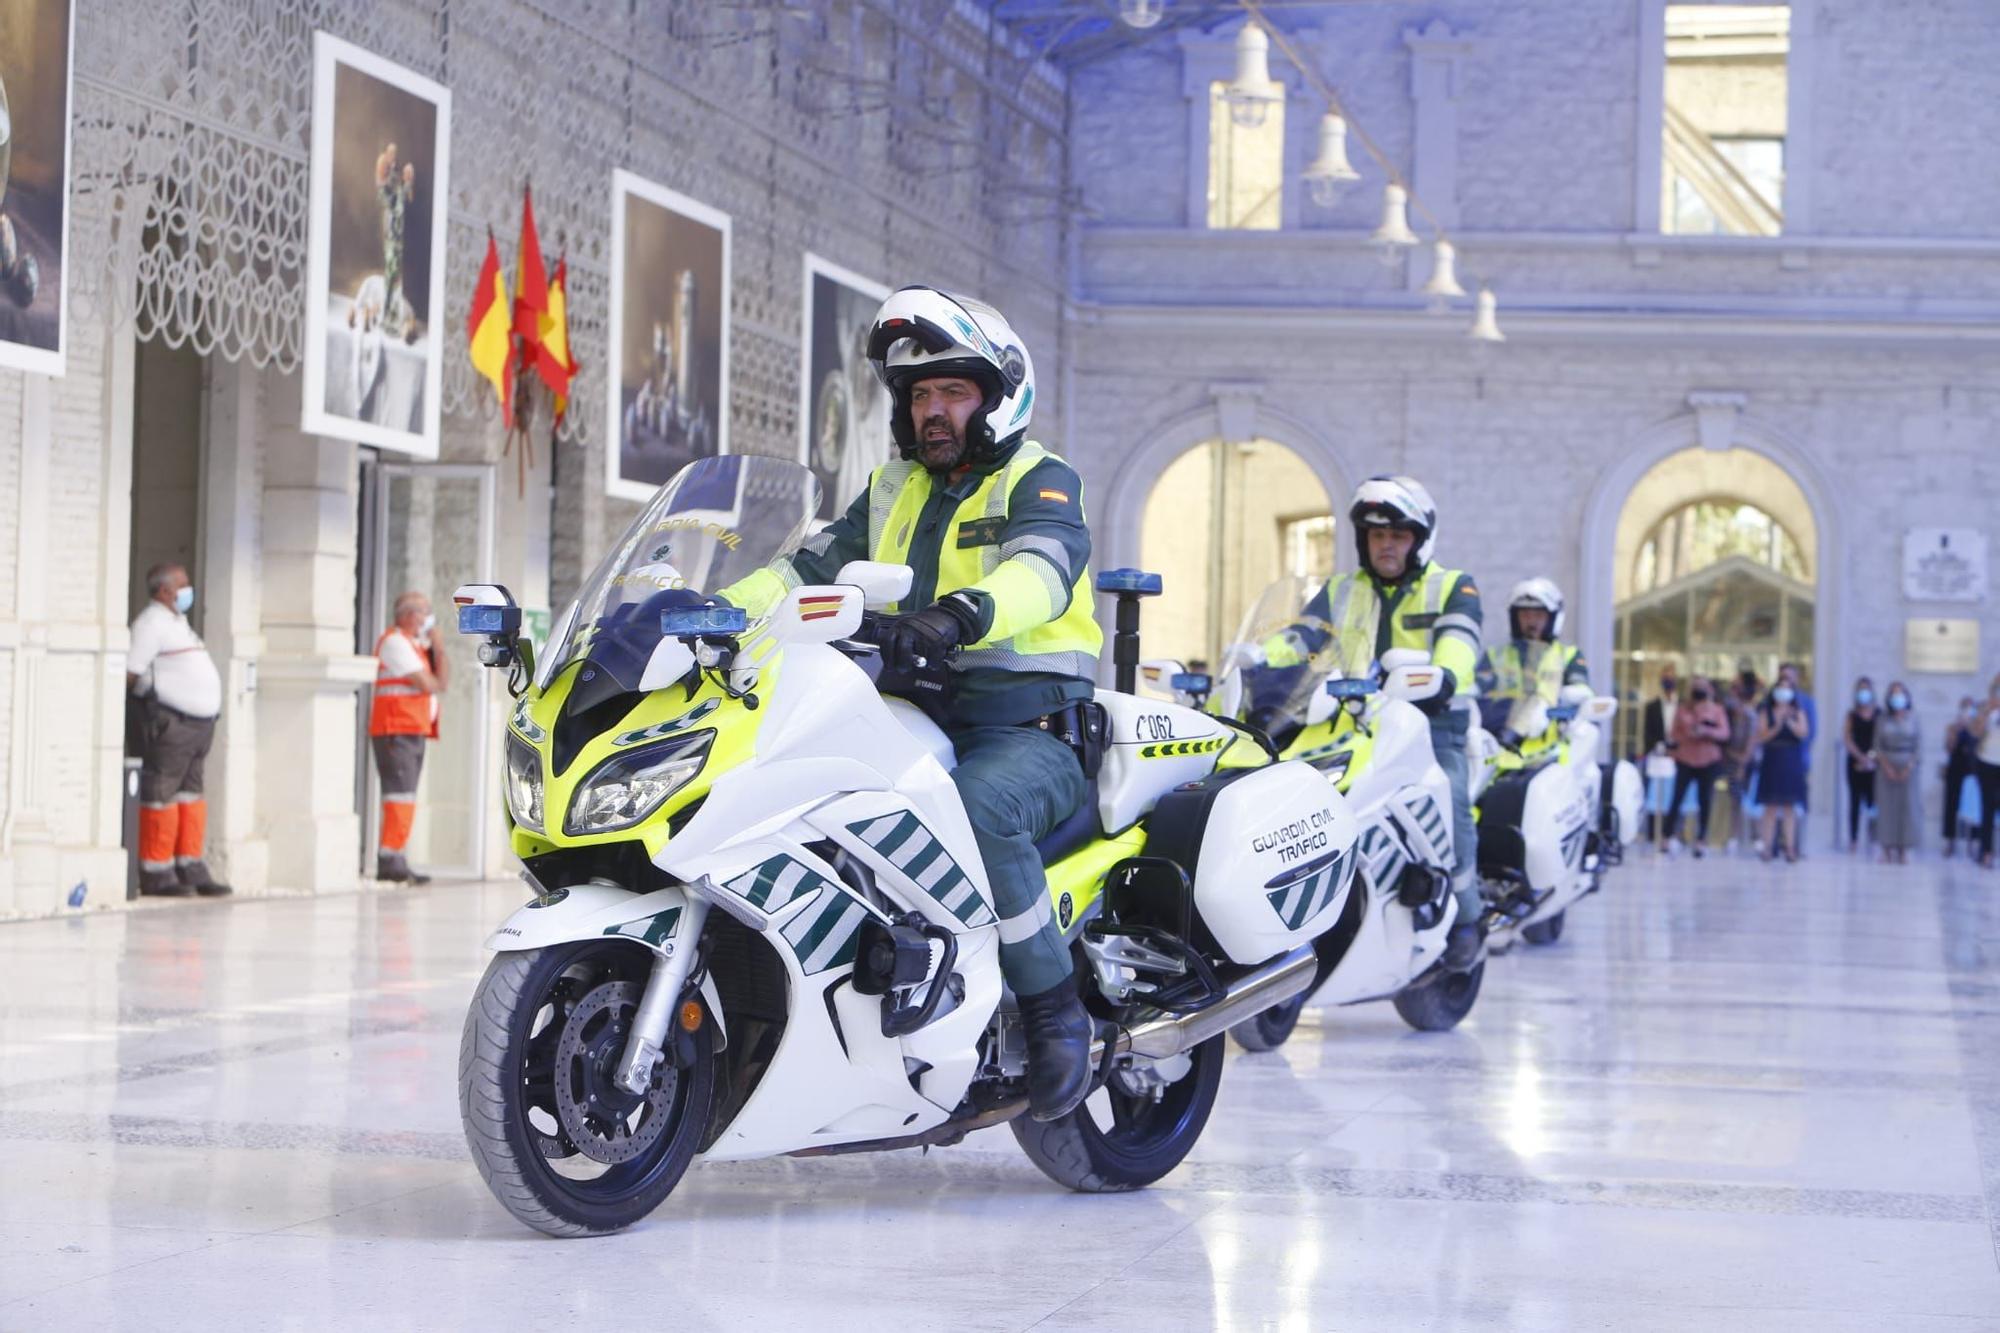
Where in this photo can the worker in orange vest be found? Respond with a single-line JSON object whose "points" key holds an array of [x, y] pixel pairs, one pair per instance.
{"points": [[409, 676]]}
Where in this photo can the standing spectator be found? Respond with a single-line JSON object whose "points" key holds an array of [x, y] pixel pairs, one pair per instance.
{"points": [[1657, 732], [1790, 674], [1961, 744], [1781, 780], [1739, 754], [1987, 762], [1896, 745], [180, 694], [409, 676], [1858, 735], [1700, 728]]}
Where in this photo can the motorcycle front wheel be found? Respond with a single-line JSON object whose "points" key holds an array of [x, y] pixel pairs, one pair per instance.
{"points": [[1272, 1028], [1442, 1004], [1132, 1131], [561, 1146]]}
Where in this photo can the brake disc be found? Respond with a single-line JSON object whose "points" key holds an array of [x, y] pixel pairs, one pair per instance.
{"points": [[596, 1113]]}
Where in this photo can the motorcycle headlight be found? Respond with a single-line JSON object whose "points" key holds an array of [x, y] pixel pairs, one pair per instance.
{"points": [[524, 784], [629, 787]]}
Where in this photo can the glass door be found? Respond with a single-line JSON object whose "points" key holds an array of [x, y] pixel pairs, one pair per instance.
{"points": [[429, 528]]}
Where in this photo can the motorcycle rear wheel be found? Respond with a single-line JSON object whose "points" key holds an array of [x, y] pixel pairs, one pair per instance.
{"points": [[1441, 1005], [1545, 932], [1144, 1139], [534, 1076], [1272, 1028]]}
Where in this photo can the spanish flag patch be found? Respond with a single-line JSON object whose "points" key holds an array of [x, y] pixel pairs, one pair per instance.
{"points": [[1060, 497]]}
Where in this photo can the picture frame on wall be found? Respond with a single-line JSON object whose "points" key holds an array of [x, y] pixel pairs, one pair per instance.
{"points": [[373, 357], [37, 82], [668, 367], [843, 407]]}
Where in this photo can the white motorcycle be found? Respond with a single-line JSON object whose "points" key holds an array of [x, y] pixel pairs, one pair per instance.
{"points": [[1541, 814], [761, 924], [1356, 721]]}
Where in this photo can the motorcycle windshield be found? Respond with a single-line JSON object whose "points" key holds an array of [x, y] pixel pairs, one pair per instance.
{"points": [[1285, 654], [716, 521]]}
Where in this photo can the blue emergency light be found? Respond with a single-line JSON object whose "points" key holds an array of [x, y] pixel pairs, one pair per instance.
{"points": [[700, 622], [1190, 682], [1350, 688], [489, 620], [1129, 580]]}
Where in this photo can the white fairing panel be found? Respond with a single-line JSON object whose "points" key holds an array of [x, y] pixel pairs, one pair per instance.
{"points": [[927, 733], [1628, 798], [1277, 861], [1153, 748]]}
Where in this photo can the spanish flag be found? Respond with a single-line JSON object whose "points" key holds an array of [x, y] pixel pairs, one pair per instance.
{"points": [[486, 330], [552, 359]]}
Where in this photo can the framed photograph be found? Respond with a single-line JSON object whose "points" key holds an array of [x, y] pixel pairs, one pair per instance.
{"points": [[669, 338], [843, 408], [374, 345], [37, 41]]}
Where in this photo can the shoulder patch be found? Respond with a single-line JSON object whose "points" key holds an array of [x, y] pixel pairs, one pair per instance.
{"points": [[1060, 497]]}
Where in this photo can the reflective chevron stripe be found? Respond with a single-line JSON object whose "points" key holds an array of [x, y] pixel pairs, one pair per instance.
{"points": [[1297, 903], [1175, 749], [775, 883], [648, 930], [823, 932], [906, 844]]}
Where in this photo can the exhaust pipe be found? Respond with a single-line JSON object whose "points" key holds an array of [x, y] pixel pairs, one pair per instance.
{"points": [[1169, 1035]]}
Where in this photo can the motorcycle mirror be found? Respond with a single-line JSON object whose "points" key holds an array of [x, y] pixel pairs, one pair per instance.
{"points": [[881, 584]]}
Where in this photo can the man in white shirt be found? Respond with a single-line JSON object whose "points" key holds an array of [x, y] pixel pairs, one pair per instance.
{"points": [[181, 696]]}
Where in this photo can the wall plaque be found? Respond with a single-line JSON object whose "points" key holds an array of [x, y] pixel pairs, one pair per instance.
{"points": [[1944, 565]]}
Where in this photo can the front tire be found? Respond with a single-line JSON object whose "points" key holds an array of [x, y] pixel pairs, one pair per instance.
{"points": [[1441, 1005], [560, 1147], [1122, 1138], [1272, 1028], [1545, 932]]}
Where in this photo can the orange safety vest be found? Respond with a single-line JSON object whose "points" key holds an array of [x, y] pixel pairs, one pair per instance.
{"points": [[401, 707]]}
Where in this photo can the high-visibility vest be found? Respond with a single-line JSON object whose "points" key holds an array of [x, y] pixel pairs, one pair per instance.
{"points": [[1027, 634], [401, 708], [1355, 621], [1540, 671]]}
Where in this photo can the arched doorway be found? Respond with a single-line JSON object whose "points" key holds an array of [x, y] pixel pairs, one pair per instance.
{"points": [[1715, 569], [1221, 522]]}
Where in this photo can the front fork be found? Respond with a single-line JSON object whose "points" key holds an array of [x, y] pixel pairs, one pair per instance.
{"points": [[657, 1006]]}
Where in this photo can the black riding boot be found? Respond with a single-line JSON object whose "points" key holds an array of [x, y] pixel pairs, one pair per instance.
{"points": [[1461, 947], [1059, 1033]]}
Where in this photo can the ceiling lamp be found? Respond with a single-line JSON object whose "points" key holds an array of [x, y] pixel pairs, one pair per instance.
{"points": [[1485, 323], [1330, 169], [1444, 273], [1140, 13], [1251, 93], [1395, 228]]}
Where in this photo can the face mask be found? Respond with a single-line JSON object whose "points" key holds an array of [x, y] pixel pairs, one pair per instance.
{"points": [[184, 599], [1669, 685], [1969, 710], [1701, 696], [1899, 702], [1864, 696], [1783, 694], [430, 623]]}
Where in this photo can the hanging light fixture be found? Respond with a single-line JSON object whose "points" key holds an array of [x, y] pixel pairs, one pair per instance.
{"points": [[1330, 169], [1485, 322], [1444, 273], [1140, 13], [1252, 92], [1395, 228]]}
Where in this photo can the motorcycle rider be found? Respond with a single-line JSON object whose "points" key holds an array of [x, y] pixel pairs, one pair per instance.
{"points": [[1534, 659], [1400, 598], [992, 527]]}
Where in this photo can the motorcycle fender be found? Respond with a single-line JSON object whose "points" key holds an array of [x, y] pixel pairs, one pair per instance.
{"points": [[591, 911]]}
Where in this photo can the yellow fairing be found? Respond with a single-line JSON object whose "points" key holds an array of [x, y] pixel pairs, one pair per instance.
{"points": [[1323, 744], [711, 709], [1079, 877]]}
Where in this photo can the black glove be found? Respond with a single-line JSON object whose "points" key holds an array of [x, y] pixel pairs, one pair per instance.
{"points": [[926, 638], [1436, 705]]}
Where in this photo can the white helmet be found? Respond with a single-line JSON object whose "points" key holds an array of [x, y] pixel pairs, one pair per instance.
{"points": [[922, 333], [1394, 502], [1536, 592]]}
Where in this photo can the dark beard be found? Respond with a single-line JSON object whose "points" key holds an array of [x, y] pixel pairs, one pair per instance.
{"points": [[940, 455]]}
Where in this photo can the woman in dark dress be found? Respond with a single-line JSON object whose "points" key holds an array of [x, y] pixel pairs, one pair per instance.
{"points": [[1858, 735], [1961, 744], [1781, 777]]}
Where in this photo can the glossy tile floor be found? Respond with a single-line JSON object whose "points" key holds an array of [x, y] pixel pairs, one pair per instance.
{"points": [[1733, 1096]]}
